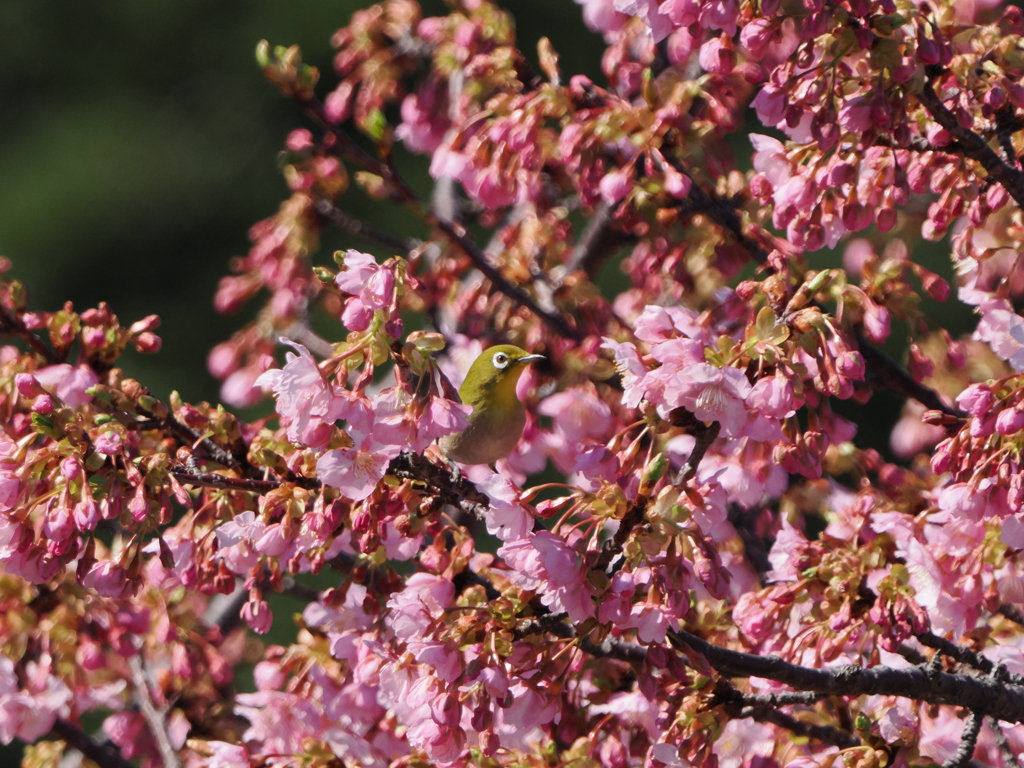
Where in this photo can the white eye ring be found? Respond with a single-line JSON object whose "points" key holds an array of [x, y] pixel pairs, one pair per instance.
{"points": [[500, 360]]}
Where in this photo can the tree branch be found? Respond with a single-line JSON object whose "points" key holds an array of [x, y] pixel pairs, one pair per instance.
{"points": [[11, 324], [460, 492], [403, 193], [608, 648], [823, 733], [155, 720], [457, 235], [104, 755], [596, 243], [1005, 750], [336, 217], [973, 145], [213, 480], [968, 741], [889, 375], [985, 695], [968, 657]]}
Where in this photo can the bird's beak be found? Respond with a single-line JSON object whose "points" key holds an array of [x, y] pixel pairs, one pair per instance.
{"points": [[528, 358]]}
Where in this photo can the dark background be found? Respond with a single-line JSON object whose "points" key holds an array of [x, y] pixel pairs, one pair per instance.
{"points": [[139, 142]]}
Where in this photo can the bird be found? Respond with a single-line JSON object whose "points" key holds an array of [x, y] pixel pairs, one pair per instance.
{"points": [[498, 418]]}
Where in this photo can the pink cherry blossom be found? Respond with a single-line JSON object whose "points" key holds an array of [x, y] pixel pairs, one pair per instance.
{"points": [[356, 471], [68, 382]]}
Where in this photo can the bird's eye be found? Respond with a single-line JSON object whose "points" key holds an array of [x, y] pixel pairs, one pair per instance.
{"points": [[500, 360]]}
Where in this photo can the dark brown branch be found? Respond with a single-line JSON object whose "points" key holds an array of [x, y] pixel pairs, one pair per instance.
{"points": [[723, 213], [1005, 750], [753, 547], [887, 374], [614, 546], [984, 696], [764, 708], [191, 438], [213, 480], [974, 146], [401, 192], [608, 648], [823, 733], [705, 437], [1012, 612], [786, 698], [156, 721], [104, 755], [918, 144], [968, 657], [457, 235], [459, 492], [11, 324], [968, 741], [338, 218]]}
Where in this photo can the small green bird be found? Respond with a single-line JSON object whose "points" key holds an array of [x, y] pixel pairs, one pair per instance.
{"points": [[498, 418]]}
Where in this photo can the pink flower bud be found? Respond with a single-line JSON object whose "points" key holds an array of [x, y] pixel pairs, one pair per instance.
{"points": [[1010, 421], [258, 616], [756, 35], [977, 400], [223, 360], [109, 443], [71, 468], [94, 337], [86, 514], [147, 343], [299, 140], [616, 184], [28, 385], [148, 323]]}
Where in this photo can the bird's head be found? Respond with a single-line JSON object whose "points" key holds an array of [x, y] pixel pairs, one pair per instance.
{"points": [[492, 378]]}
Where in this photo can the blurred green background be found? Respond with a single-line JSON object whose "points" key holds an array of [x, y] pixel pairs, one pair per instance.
{"points": [[139, 142]]}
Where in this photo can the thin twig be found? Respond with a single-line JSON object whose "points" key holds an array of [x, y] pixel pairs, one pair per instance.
{"points": [[614, 546], [753, 546], [346, 221], [104, 755], [156, 721], [888, 374], [213, 480], [457, 235], [1005, 750], [967, 656], [596, 243], [823, 733], [608, 648], [459, 492], [191, 438], [764, 708], [11, 324], [968, 742], [402, 192], [974, 146]]}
